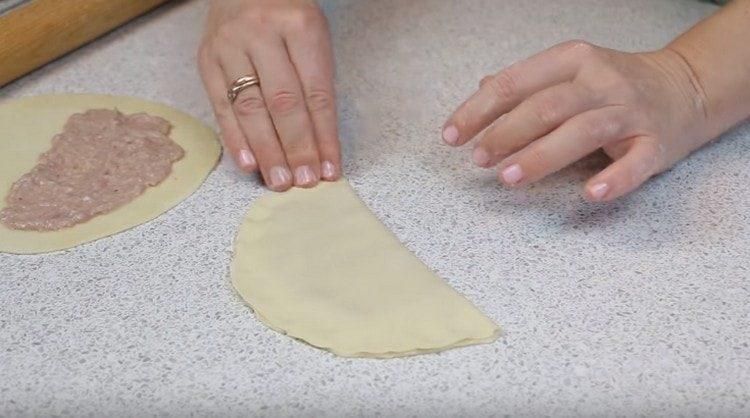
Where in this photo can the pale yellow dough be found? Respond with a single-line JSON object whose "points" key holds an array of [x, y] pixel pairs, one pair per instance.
{"points": [[317, 265], [27, 126]]}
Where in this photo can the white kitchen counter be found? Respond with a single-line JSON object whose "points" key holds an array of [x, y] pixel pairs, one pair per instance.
{"points": [[641, 306]]}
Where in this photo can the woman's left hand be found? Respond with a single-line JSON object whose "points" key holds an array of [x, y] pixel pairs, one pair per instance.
{"points": [[646, 110]]}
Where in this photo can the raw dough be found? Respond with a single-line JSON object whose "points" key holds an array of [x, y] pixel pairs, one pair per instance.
{"points": [[27, 126], [317, 265]]}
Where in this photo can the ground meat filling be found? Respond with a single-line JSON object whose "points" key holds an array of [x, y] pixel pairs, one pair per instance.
{"points": [[102, 160]]}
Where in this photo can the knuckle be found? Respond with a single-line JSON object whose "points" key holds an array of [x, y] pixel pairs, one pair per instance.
{"points": [[253, 17], [566, 45], [304, 18], [265, 154], [329, 150], [491, 141], [329, 142], [600, 131], [500, 149], [590, 130], [547, 110], [581, 48], [298, 148], [537, 156], [225, 34], [283, 102], [248, 104], [611, 128], [319, 100], [504, 85]]}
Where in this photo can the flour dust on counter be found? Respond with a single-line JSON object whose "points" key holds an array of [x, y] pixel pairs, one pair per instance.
{"points": [[75, 168], [317, 265]]}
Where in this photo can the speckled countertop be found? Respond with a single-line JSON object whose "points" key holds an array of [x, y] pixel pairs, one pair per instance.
{"points": [[641, 306]]}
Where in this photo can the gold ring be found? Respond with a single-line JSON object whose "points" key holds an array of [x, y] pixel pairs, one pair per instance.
{"points": [[241, 84]]}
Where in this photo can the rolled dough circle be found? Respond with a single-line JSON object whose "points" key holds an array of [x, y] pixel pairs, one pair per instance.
{"points": [[27, 126]]}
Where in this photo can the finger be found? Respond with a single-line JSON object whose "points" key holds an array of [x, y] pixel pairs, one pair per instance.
{"points": [[638, 164], [282, 92], [533, 118], [503, 91], [573, 140], [311, 54], [484, 80], [231, 134], [255, 122]]}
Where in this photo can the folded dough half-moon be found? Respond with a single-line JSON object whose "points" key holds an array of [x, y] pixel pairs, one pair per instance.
{"points": [[317, 265]]}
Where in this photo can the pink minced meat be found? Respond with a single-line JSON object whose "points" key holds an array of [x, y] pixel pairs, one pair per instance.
{"points": [[102, 160]]}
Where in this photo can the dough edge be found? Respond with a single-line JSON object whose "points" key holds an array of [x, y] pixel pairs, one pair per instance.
{"points": [[381, 355]]}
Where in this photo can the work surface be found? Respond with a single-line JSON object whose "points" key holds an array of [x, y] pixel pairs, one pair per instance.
{"points": [[639, 306]]}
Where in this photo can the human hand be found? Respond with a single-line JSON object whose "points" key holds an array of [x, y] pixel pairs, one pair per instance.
{"points": [[286, 126], [646, 110]]}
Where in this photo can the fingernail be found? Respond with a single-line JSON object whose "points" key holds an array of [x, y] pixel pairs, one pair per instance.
{"points": [[329, 170], [450, 135], [280, 176], [598, 190], [304, 176], [481, 157], [246, 159], [512, 174]]}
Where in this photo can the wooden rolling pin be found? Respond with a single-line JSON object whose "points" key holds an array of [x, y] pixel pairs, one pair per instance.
{"points": [[39, 31]]}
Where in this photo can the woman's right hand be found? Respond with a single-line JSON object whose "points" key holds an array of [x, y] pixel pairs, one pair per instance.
{"points": [[645, 110], [286, 127]]}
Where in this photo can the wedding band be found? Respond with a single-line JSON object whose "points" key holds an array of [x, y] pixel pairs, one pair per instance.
{"points": [[241, 84]]}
